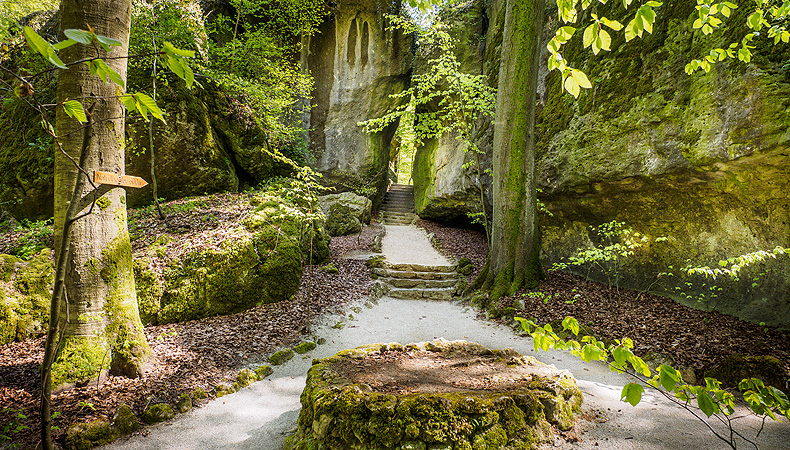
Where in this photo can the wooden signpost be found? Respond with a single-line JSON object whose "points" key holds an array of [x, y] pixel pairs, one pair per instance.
{"points": [[114, 179]]}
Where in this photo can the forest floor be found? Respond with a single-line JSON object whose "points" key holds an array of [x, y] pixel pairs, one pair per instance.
{"points": [[205, 352]]}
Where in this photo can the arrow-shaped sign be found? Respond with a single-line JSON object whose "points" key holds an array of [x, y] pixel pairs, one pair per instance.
{"points": [[114, 179]]}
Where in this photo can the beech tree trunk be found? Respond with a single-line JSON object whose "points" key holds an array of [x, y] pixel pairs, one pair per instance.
{"points": [[100, 314], [513, 260]]}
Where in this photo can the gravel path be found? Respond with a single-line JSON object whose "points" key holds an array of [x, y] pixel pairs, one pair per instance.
{"points": [[260, 416]]}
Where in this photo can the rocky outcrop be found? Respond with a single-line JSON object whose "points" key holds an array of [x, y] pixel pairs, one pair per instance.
{"points": [[357, 62], [347, 404], [446, 180], [696, 164], [345, 213]]}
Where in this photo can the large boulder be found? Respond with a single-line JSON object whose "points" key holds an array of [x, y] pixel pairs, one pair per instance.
{"points": [[259, 261], [466, 396], [357, 62], [345, 213]]}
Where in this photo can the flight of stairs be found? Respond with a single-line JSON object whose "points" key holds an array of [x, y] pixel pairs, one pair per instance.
{"points": [[398, 205], [418, 282]]}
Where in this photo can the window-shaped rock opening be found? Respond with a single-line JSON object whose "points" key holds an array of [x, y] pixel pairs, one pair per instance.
{"points": [[351, 56]]}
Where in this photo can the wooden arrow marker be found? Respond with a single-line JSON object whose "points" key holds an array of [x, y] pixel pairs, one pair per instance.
{"points": [[114, 179]]}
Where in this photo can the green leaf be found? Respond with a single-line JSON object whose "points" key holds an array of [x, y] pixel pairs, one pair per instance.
{"points": [[106, 73], [569, 323], [755, 20], [168, 48], [668, 377], [107, 42], [632, 393], [176, 65], [151, 105], [565, 33], [620, 356], [44, 48], [589, 35], [613, 24], [129, 102], [75, 110], [581, 79], [189, 75], [64, 44], [706, 404], [81, 36]]}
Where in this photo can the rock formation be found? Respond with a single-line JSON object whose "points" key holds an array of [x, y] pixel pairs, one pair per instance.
{"points": [[356, 63]]}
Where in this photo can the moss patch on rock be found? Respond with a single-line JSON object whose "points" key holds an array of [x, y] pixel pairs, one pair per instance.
{"points": [[84, 436], [158, 412], [281, 357], [24, 295], [737, 367], [256, 262], [341, 412]]}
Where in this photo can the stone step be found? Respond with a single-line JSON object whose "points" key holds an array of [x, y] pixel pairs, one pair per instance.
{"points": [[415, 275], [398, 215], [423, 268], [422, 294], [411, 283]]}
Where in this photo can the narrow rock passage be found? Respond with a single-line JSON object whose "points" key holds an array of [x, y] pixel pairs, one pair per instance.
{"points": [[262, 415]]}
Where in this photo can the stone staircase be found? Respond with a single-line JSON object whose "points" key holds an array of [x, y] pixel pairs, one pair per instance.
{"points": [[398, 205], [418, 282]]}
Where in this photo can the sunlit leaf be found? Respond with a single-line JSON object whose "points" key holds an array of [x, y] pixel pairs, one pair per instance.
{"points": [[81, 36], [44, 48], [632, 393], [75, 110]]}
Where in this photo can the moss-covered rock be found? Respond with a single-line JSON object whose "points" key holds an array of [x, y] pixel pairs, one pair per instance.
{"points": [[263, 372], [345, 213], [84, 436], [305, 347], [337, 413], [124, 420], [738, 367], [184, 403], [158, 412], [223, 389], [246, 377], [24, 295], [149, 291], [281, 357]]}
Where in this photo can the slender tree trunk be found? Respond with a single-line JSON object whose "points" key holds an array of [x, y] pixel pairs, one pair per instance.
{"points": [[513, 260], [103, 329]]}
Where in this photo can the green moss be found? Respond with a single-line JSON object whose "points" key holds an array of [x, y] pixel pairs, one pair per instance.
{"points": [[8, 318], [304, 347], [80, 359], [199, 393], [246, 377], [184, 403], [149, 291], [158, 412], [223, 389], [103, 203], [84, 436], [281, 357], [263, 372], [124, 420], [124, 330]]}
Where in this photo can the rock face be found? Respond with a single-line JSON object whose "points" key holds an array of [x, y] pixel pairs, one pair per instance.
{"points": [[347, 404], [700, 161], [696, 164], [357, 63], [345, 213], [446, 184], [24, 295]]}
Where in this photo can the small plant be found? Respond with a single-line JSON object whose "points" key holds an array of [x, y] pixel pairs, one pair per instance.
{"points": [[38, 235], [538, 295], [703, 402], [14, 426], [617, 242], [86, 405]]}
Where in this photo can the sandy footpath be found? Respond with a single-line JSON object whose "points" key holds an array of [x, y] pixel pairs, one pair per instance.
{"points": [[260, 416]]}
